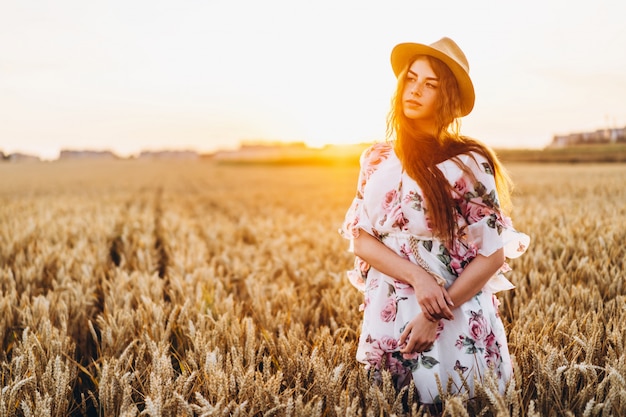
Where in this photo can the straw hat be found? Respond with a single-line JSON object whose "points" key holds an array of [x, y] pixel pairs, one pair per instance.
{"points": [[449, 53]]}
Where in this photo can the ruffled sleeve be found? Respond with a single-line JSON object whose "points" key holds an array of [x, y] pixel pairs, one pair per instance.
{"points": [[487, 228], [357, 217]]}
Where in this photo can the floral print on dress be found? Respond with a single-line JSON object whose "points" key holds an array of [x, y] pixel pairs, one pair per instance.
{"points": [[389, 205], [415, 200], [481, 340], [389, 311], [475, 202], [371, 158]]}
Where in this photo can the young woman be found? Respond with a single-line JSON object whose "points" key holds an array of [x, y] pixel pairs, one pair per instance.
{"points": [[429, 230]]}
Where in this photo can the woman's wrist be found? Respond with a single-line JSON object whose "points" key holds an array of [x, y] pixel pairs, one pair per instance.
{"points": [[430, 318], [419, 277]]}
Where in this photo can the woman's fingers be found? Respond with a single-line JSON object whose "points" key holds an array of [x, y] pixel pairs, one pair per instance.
{"points": [[418, 335], [409, 347], [444, 310], [437, 304], [431, 317], [415, 345], [447, 297], [439, 309], [405, 334], [444, 304], [410, 339]]}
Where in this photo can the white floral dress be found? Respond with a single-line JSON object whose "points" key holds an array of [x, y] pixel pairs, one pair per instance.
{"points": [[389, 205]]}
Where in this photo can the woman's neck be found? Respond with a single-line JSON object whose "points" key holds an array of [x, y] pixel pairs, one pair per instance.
{"points": [[426, 129]]}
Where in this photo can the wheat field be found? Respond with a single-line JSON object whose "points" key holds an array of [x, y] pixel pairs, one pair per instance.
{"points": [[167, 288]]}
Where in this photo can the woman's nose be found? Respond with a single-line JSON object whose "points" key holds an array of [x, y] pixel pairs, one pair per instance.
{"points": [[417, 89]]}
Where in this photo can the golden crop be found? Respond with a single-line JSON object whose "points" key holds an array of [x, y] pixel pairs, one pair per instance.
{"points": [[167, 288]]}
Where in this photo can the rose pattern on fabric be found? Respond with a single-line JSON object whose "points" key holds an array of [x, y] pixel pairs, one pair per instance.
{"points": [[478, 327], [383, 354], [481, 340], [354, 231], [389, 311], [391, 200], [414, 200], [390, 206], [399, 220], [461, 186], [371, 158], [457, 258]]}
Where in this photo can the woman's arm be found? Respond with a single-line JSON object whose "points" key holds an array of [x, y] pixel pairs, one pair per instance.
{"points": [[433, 299], [419, 334], [475, 276]]}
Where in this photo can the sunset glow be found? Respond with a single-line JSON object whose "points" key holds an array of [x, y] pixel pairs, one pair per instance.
{"points": [[130, 76]]}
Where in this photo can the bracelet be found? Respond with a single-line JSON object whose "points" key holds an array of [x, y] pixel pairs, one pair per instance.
{"points": [[421, 262]]}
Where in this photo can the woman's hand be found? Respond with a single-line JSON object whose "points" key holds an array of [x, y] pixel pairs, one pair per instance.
{"points": [[418, 335], [433, 299]]}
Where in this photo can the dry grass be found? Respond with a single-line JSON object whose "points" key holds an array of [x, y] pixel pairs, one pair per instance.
{"points": [[165, 288]]}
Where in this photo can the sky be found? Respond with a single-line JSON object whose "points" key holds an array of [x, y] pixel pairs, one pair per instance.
{"points": [[133, 75]]}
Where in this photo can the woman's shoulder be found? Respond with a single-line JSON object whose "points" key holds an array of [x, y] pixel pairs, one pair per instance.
{"points": [[472, 158], [471, 154], [376, 153], [477, 153], [471, 161], [478, 162], [378, 147]]}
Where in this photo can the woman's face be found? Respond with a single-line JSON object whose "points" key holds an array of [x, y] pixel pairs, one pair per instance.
{"points": [[421, 92]]}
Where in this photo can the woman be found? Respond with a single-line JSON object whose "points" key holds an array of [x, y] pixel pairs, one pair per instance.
{"points": [[431, 197]]}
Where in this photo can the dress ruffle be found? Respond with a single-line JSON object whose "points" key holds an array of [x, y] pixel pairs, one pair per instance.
{"points": [[356, 219]]}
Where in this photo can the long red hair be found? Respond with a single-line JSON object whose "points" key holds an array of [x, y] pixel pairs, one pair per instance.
{"points": [[420, 152]]}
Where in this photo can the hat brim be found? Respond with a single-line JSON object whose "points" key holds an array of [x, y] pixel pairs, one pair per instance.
{"points": [[403, 53]]}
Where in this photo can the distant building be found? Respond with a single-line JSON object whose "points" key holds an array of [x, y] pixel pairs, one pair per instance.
{"points": [[185, 155], [20, 157], [600, 136], [86, 154]]}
